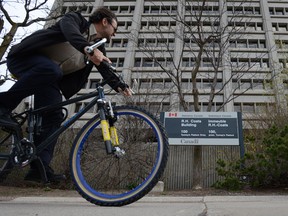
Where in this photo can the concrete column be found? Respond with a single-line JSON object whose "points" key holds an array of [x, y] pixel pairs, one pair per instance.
{"points": [[227, 72], [274, 64], [130, 52]]}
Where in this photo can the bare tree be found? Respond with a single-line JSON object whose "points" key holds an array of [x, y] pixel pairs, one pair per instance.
{"points": [[204, 37], [29, 7]]}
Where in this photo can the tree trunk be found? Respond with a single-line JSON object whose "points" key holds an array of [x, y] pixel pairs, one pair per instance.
{"points": [[7, 40], [1, 24]]}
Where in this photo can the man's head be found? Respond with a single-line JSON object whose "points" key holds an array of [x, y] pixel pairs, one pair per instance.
{"points": [[105, 23]]}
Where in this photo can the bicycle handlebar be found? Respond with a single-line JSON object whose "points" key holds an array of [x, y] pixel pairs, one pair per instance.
{"points": [[91, 48], [110, 77]]}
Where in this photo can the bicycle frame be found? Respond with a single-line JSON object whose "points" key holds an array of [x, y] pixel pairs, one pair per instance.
{"points": [[97, 94]]}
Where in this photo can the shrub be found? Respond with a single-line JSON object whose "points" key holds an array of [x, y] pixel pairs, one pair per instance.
{"points": [[265, 168]]}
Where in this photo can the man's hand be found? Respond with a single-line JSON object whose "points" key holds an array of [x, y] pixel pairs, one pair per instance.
{"points": [[97, 57], [126, 92]]}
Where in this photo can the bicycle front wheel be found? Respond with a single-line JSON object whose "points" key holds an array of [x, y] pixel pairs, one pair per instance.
{"points": [[107, 180]]}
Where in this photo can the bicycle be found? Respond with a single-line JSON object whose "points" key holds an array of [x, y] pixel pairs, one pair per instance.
{"points": [[117, 157]]}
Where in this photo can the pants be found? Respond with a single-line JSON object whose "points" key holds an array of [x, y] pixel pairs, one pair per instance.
{"points": [[40, 76]]}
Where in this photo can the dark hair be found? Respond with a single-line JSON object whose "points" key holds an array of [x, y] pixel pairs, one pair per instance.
{"points": [[101, 13]]}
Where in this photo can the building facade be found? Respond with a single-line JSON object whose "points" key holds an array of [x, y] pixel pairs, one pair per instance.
{"points": [[233, 55], [157, 46]]}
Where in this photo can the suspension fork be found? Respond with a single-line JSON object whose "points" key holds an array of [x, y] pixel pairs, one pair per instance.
{"points": [[108, 119], [109, 130]]}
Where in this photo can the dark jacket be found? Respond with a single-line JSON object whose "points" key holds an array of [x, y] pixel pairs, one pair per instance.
{"points": [[70, 28]]}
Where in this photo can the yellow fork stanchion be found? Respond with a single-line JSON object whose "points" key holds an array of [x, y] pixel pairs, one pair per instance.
{"points": [[114, 136], [106, 136]]}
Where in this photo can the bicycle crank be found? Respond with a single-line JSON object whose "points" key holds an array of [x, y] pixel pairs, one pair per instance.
{"points": [[24, 157]]}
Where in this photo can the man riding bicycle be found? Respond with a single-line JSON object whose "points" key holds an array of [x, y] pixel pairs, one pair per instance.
{"points": [[51, 62]]}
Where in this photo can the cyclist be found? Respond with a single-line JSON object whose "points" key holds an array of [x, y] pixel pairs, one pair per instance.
{"points": [[50, 62]]}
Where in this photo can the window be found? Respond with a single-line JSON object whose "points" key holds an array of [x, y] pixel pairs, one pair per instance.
{"points": [[116, 43], [157, 84], [253, 44], [144, 84], [137, 62], [248, 108], [261, 108], [257, 84], [282, 27], [147, 63], [124, 9], [237, 107], [168, 84]]}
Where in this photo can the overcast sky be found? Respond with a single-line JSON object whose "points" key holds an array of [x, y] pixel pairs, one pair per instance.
{"points": [[17, 13]]}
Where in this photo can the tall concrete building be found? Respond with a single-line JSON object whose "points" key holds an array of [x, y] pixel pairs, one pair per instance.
{"points": [[226, 55], [158, 42]]}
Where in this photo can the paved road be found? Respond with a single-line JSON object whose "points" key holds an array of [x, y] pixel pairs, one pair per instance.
{"points": [[149, 206]]}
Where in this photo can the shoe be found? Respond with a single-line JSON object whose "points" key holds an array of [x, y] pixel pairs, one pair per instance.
{"points": [[5, 118], [35, 176]]}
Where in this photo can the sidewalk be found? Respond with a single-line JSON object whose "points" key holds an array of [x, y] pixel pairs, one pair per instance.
{"points": [[153, 206]]}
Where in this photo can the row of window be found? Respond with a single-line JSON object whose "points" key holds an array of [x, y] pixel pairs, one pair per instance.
{"points": [[156, 42], [157, 107], [246, 26], [254, 84], [248, 43], [253, 108], [248, 108], [249, 63], [242, 84], [154, 25], [81, 8], [124, 25], [205, 25], [240, 63], [282, 27], [278, 11], [240, 43], [167, 84], [247, 10], [207, 9], [118, 42], [127, 9], [170, 43], [282, 44], [160, 9], [205, 62], [173, 9]]}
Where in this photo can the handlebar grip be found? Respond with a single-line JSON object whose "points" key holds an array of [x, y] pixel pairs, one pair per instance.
{"points": [[90, 49]]}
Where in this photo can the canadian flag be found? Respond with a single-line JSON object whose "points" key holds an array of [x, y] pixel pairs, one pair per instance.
{"points": [[172, 114]]}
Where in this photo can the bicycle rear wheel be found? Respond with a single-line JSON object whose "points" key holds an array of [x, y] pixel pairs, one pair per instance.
{"points": [[7, 139], [107, 180]]}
